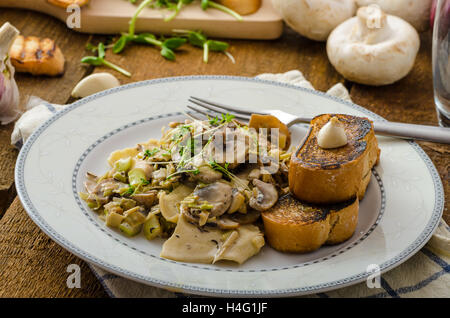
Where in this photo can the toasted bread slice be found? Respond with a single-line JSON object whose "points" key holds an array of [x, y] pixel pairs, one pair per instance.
{"points": [[243, 7], [293, 226], [66, 3], [36, 56], [326, 176]]}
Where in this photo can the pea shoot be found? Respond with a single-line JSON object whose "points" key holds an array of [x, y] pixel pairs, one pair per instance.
{"points": [[198, 39], [167, 46], [174, 5], [100, 60], [206, 4]]}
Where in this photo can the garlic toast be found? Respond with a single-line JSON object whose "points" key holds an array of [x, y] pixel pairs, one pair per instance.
{"points": [[37, 56], [294, 226], [327, 176]]}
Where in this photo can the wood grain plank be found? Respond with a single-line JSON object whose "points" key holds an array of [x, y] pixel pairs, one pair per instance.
{"points": [[32, 265], [252, 58], [53, 89]]}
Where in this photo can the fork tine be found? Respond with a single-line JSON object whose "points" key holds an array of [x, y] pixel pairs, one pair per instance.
{"points": [[219, 111], [222, 106], [197, 110], [191, 114], [216, 113]]}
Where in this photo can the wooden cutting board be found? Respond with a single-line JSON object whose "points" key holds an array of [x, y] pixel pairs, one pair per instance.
{"points": [[112, 16]]}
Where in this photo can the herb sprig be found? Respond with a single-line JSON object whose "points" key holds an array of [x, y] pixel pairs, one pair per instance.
{"points": [[100, 60], [167, 46], [198, 39], [174, 5], [206, 4]]}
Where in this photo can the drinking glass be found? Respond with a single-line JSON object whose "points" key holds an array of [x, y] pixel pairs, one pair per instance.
{"points": [[441, 61]]}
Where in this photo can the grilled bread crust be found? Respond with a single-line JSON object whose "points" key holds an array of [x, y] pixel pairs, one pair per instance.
{"points": [[293, 226], [66, 3], [327, 176], [36, 56]]}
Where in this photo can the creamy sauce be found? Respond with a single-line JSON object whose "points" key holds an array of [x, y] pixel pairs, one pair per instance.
{"points": [[191, 244]]}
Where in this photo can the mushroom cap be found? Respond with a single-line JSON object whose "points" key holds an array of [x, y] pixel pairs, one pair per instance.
{"points": [[373, 56], [416, 12], [315, 19]]}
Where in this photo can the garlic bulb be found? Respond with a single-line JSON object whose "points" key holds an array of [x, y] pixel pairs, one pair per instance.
{"points": [[332, 135], [9, 93]]}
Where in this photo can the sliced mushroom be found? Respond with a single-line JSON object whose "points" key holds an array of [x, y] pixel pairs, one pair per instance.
{"points": [[102, 190], [148, 199], [146, 167], [226, 223], [160, 174], [237, 200], [250, 217], [254, 174], [168, 202], [207, 175], [217, 194], [238, 142], [264, 196], [91, 182]]}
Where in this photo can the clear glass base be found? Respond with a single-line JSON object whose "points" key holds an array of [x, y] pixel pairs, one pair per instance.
{"points": [[444, 121]]}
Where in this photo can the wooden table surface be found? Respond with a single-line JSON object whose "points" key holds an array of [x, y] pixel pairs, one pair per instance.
{"points": [[32, 265]]}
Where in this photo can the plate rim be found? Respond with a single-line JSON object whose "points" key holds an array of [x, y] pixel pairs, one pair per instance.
{"points": [[401, 257]]}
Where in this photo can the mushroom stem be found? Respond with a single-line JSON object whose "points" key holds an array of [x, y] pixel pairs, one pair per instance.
{"points": [[372, 26]]}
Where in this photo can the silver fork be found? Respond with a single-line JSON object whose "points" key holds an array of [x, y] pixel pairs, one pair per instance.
{"points": [[384, 128]]}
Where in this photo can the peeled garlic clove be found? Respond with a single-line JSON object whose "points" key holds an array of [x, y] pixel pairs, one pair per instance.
{"points": [[332, 135], [94, 83]]}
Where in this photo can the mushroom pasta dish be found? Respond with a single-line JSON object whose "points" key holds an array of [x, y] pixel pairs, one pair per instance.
{"points": [[202, 187]]}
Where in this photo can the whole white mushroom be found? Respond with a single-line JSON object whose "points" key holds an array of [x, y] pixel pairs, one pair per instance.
{"points": [[416, 12], [315, 19], [373, 48]]}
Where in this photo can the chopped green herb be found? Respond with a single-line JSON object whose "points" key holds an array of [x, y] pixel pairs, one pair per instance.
{"points": [[151, 153], [226, 118], [130, 190]]}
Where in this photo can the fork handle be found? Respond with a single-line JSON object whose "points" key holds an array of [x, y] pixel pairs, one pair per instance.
{"points": [[411, 131]]}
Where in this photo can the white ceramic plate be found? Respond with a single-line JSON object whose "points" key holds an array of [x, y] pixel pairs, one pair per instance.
{"points": [[402, 207]]}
